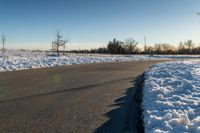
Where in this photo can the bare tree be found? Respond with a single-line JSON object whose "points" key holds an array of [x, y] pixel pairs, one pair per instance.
{"points": [[3, 40], [59, 42], [131, 45], [158, 48], [167, 48], [149, 50], [189, 45], [181, 48]]}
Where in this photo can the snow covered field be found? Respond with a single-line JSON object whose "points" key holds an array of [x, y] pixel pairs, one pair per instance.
{"points": [[19, 60], [177, 56], [171, 98]]}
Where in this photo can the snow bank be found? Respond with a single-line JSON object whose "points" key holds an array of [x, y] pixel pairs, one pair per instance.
{"points": [[19, 60], [171, 98], [177, 56]]}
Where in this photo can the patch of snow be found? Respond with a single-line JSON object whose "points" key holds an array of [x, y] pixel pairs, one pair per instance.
{"points": [[177, 56], [19, 60], [171, 98], [26, 59]]}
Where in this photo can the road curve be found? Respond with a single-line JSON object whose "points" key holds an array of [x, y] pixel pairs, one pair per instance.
{"points": [[69, 99]]}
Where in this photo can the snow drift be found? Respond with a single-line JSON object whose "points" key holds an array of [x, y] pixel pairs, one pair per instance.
{"points": [[19, 60], [171, 98]]}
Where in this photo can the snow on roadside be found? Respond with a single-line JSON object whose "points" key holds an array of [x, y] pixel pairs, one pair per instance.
{"points": [[171, 98], [19, 60], [177, 56]]}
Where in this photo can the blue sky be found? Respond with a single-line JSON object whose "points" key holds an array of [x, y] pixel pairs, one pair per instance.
{"points": [[91, 23]]}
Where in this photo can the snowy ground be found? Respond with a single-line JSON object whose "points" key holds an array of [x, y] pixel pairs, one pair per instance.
{"points": [[171, 98], [177, 56], [19, 60]]}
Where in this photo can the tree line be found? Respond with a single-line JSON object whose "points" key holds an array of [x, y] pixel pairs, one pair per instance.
{"points": [[130, 46]]}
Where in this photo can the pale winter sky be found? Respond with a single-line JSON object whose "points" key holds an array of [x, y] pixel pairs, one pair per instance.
{"points": [[31, 24]]}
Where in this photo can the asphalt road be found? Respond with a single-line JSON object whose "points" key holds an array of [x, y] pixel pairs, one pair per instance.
{"points": [[71, 99]]}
